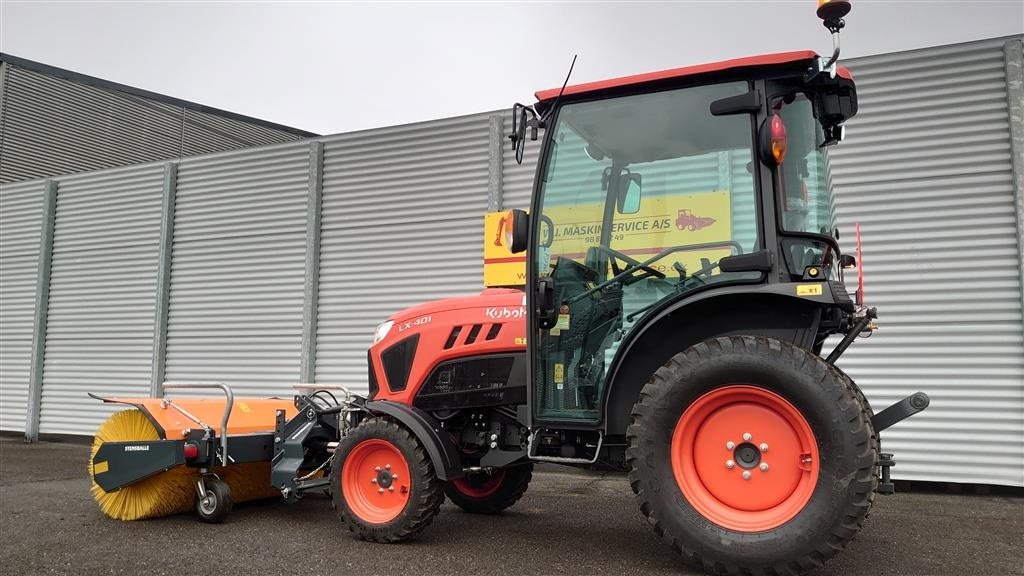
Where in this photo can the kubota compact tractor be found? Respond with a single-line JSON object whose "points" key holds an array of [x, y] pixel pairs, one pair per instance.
{"points": [[748, 451], [695, 365]]}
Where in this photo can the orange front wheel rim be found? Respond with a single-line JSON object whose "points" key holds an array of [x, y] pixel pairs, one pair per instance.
{"points": [[745, 458], [375, 481]]}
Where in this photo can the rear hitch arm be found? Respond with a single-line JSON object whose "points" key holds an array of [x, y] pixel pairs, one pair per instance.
{"points": [[854, 331], [899, 411]]}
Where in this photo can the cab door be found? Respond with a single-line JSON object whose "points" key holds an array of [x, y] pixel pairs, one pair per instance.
{"points": [[638, 198]]}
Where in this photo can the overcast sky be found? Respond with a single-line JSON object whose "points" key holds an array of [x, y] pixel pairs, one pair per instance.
{"points": [[336, 67]]}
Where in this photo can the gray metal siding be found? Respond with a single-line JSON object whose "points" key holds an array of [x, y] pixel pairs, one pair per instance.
{"points": [[402, 224], [102, 287], [52, 125], [237, 269], [20, 219], [926, 169]]}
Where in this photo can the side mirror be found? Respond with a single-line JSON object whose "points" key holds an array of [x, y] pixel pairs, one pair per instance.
{"points": [[518, 135], [629, 193], [519, 125], [847, 261], [517, 230]]}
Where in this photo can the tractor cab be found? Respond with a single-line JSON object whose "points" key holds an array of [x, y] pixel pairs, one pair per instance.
{"points": [[669, 208]]}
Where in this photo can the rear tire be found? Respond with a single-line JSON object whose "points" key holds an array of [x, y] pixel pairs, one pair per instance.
{"points": [[490, 494], [383, 483], [784, 519]]}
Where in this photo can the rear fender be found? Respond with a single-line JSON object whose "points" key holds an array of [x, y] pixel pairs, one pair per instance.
{"points": [[783, 317], [444, 455]]}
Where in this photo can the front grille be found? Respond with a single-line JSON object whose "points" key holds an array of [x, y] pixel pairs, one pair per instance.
{"points": [[397, 361], [479, 381]]}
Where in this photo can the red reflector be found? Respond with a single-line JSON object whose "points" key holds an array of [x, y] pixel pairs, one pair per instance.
{"points": [[191, 451], [778, 139]]}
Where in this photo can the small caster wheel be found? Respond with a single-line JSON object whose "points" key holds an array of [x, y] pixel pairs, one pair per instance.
{"points": [[217, 504]]}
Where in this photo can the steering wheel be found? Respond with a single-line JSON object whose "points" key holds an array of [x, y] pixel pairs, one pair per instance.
{"points": [[633, 263]]}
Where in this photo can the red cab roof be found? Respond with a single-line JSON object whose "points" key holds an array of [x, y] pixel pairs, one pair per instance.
{"points": [[734, 64]]}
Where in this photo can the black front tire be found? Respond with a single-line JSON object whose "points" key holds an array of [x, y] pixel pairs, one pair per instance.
{"points": [[425, 494], [218, 503], [490, 499], [832, 407]]}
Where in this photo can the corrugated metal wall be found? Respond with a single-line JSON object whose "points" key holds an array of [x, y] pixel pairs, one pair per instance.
{"points": [[51, 125], [99, 328], [402, 224], [21, 208], [926, 169], [237, 268]]}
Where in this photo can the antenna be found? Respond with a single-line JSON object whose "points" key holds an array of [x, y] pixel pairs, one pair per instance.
{"points": [[560, 92]]}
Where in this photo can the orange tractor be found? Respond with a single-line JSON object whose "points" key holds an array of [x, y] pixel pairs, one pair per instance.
{"points": [[749, 451]]}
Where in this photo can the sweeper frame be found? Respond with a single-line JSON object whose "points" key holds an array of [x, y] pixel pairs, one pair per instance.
{"points": [[299, 448]]}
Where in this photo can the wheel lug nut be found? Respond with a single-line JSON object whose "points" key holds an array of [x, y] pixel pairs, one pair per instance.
{"points": [[730, 464], [746, 475], [764, 446], [764, 466], [394, 476], [373, 480], [380, 491], [730, 445], [747, 436], [391, 488], [376, 468], [387, 466]]}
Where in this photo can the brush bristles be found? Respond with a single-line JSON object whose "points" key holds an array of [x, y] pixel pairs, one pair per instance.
{"points": [[170, 492]]}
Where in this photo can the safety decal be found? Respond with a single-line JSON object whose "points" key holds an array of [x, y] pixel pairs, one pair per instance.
{"points": [[808, 289]]}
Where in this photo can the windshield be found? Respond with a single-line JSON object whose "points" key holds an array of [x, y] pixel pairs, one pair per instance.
{"points": [[676, 187]]}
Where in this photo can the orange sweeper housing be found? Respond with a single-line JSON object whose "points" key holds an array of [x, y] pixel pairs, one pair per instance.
{"points": [[694, 358]]}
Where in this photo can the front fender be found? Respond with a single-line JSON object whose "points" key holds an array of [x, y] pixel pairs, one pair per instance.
{"points": [[442, 451]]}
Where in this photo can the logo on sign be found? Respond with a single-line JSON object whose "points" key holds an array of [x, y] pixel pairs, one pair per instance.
{"points": [[687, 220]]}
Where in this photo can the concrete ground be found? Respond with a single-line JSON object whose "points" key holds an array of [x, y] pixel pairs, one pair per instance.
{"points": [[568, 523]]}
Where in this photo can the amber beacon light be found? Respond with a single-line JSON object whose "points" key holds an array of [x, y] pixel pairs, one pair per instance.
{"points": [[833, 10]]}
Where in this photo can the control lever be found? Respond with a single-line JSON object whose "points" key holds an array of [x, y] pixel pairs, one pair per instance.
{"points": [[546, 318]]}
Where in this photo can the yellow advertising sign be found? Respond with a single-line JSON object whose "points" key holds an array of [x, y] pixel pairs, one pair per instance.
{"points": [[662, 222], [501, 267]]}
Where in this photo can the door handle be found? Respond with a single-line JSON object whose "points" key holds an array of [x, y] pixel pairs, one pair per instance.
{"points": [[546, 303]]}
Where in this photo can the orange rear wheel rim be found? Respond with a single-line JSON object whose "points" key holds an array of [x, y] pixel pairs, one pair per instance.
{"points": [[482, 488], [745, 458], [375, 481]]}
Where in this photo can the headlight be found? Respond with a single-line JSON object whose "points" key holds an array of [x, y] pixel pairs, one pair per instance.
{"points": [[382, 330]]}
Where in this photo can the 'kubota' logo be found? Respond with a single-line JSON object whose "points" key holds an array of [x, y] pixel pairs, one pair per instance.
{"points": [[687, 220], [505, 312]]}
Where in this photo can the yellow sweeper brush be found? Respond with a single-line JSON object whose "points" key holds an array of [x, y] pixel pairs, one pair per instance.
{"points": [[163, 458]]}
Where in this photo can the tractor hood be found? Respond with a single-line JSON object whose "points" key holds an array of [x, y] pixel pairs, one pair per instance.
{"points": [[489, 298]]}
